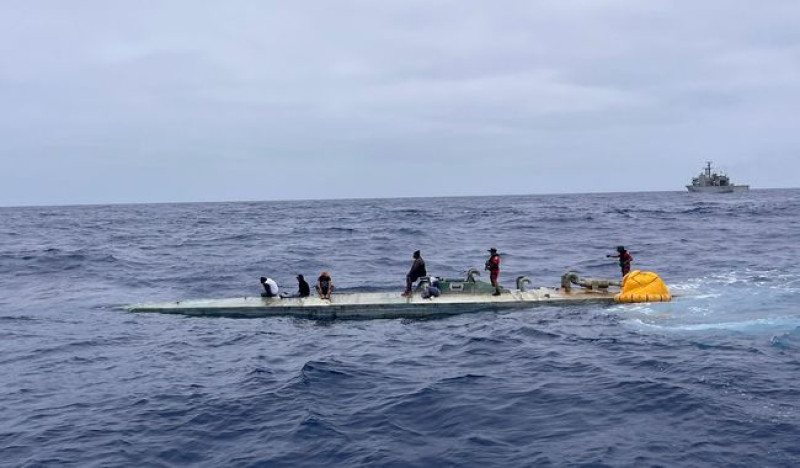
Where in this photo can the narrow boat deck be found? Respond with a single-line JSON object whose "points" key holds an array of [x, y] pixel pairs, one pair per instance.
{"points": [[372, 305]]}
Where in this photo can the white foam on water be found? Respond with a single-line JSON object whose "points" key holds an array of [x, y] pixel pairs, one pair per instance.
{"points": [[740, 300], [766, 324]]}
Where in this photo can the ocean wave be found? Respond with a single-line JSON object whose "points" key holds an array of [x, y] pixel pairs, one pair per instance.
{"points": [[705, 379], [53, 260], [787, 341]]}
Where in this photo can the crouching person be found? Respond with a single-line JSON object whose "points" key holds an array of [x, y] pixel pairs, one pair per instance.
{"points": [[270, 287], [432, 290]]}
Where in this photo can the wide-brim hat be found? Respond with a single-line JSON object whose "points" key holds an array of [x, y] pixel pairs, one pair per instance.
{"points": [[493, 249]]}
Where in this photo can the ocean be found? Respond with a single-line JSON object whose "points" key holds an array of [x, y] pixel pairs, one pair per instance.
{"points": [[710, 379]]}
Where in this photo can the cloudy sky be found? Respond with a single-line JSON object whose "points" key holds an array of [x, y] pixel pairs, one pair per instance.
{"points": [[151, 100]]}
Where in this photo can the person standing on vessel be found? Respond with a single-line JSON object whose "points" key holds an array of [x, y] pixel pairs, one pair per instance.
{"points": [[270, 287], [416, 272], [493, 266], [625, 259], [324, 285]]}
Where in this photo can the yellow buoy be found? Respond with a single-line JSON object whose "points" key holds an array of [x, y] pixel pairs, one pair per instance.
{"points": [[643, 286]]}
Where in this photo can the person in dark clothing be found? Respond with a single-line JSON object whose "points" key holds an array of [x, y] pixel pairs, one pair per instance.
{"points": [[625, 259], [493, 266], [432, 290], [416, 272], [324, 285], [303, 289]]}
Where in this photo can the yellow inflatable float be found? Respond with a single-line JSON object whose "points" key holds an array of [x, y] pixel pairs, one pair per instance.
{"points": [[643, 286]]}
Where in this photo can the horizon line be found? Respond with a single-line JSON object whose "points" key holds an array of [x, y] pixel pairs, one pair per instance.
{"points": [[123, 203]]}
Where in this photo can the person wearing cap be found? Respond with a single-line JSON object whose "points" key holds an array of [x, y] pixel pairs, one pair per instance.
{"points": [[416, 272], [625, 259], [493, 266], [270, 287], [324, 285]]}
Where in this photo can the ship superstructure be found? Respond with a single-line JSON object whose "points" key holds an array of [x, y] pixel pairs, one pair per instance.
{"points": [[710, 181]]}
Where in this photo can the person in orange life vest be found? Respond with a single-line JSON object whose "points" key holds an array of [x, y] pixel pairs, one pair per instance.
{"points": [[625, 259], [493, 266]]}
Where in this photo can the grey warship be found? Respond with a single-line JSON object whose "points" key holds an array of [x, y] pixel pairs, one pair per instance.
{"points": [[713, 182]]}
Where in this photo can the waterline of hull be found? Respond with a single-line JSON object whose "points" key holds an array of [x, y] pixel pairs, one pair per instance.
{"points": [[717, 188], [371, 305]]}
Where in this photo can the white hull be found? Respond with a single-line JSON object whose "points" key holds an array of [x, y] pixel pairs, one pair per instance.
{"points": [[372, 305]]}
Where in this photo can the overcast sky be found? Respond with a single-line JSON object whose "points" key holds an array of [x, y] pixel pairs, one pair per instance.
{"points": [[157, 101]]}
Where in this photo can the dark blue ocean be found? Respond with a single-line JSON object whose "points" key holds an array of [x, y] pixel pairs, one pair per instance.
{"points": [[710, 379]]}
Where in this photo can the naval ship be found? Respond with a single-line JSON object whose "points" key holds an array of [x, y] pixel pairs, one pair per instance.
{"points": [[713, 182]]}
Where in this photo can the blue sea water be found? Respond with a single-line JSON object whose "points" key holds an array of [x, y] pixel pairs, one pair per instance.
{"points": [[710, 379]]}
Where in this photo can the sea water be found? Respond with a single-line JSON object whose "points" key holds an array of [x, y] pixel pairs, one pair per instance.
{"points": [[711, 378]]}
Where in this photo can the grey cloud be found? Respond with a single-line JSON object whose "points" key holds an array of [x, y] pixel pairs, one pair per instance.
{"points": [[158, 101]]}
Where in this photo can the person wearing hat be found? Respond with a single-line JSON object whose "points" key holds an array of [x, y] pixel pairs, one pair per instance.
{"points": [[493, 266], [416, 272], [625, 259]]}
